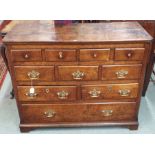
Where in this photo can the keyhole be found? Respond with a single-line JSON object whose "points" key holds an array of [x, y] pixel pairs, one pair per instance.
{"points": [[47, 90]]}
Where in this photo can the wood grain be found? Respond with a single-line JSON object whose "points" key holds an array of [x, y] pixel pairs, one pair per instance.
{"points": [[47, 31]]}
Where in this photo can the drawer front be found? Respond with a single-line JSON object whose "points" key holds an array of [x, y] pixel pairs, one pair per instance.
{"points": [[53, 113], [78, 73], [112, 112], [60, 55], [26, 55], [35, 73], [110, 91], [129, 54], [94, 54], [121, 72], [47, 93]]}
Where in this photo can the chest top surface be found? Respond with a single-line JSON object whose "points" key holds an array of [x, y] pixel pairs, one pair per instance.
{"points": [[47, 31]]}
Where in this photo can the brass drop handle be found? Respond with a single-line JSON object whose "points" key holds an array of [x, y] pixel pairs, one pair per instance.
{"points": [[33, 75], [31, 95], [94, 93], [124, 92], [107, 112], [50, 113], [78, 75], [94, 55], [26, 56], [62, 95], [129, 54], [121, 74], [60, 56]]}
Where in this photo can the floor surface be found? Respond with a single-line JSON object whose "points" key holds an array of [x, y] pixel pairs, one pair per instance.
{"points": [[9, 119]]}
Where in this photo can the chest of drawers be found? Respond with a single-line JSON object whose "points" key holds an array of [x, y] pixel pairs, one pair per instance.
{"points": [[79, 74]]}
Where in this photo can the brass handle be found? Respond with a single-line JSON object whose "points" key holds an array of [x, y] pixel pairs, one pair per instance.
{"points": [[129, 55], [94, 93], [26, 56], [31, 95], [121, 74], [33, 75], [60, 55], [124, 92], [78, 75], [107, 112], [94, 55], [50, 113], [62, 95]]}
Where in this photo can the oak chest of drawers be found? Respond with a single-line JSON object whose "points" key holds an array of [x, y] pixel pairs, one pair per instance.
{"points": [[78, 74]]}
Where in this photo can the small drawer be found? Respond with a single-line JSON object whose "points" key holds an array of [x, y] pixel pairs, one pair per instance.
{"points": [[112, 112], [94, 54], [51, 113], [110, 91], [47, 93], [26, 55], [121, 72], [60, 55], [130, 54], [78, 73], [35, 73]]}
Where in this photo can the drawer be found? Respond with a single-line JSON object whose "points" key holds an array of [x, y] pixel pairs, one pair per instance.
{"points": [[47, 113], [26, 55], [121, 72], [94, 54], [60, 55], [47, 93], [130, 54], [35, 73], [110, 91], [112, 112], [56, 113], [78, 73]]}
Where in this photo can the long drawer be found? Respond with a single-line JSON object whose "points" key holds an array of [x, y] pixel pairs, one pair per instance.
{"points": [[45, 113], [47, 93], [35, 73], [110, 91]]}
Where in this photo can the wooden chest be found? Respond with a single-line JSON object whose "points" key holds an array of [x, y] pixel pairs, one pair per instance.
{"points": [[78, 74]]}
